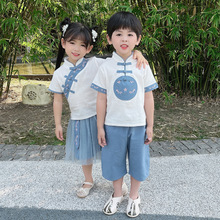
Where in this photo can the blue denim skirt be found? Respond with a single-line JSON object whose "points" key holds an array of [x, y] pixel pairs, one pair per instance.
{"points": [[81, 141]]}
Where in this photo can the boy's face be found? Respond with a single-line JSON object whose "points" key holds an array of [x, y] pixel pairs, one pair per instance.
{"points": [[124, 41]]}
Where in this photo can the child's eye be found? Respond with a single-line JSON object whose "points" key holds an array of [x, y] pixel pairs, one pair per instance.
{"points": [[118, 34], [130, 35], [83, 45]]}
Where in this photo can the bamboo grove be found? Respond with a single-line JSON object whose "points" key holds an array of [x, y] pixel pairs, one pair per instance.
{"points": [[182, 41], [180, 38]]}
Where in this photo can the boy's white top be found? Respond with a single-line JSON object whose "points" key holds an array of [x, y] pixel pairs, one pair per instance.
{"points": [[125, 86], [74, 82]]}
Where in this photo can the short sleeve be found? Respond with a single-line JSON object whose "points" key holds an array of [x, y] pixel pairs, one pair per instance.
{"points": [[99, 82], [99, 61], [55, 85], [149, 80]]}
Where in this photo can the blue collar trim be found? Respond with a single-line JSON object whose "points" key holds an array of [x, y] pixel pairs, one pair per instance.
{"points": [[70, 78]]}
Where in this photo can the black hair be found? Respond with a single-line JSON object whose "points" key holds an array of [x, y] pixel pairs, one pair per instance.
{"points": [[124, 20], [74, 30]]}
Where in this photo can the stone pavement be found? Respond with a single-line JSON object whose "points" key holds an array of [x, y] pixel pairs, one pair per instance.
{"points": [[157, 149], [37, 184], [178, 188]]}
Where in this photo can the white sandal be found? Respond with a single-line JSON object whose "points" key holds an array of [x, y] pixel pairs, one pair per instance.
{"points": [[124, 189], [83, 192], [133, 208], [112, 204]]}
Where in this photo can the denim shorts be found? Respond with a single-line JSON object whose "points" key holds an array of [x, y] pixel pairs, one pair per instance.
{"points": [[123, 142]]}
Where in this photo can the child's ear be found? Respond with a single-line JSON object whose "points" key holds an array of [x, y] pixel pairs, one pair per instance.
{"points": [[138, 40], [63, 43], [108, 39], [89, 48]]}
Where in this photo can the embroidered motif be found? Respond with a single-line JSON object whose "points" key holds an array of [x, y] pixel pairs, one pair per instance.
{"points": [[151, 87], [132, 91], [76, 134], [125, 88], [70, 78], [97, 88]]}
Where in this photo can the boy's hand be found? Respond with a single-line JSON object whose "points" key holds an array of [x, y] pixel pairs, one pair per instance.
{"points": [[101, 137], [59, 132], [140, 59], [149, 133]]}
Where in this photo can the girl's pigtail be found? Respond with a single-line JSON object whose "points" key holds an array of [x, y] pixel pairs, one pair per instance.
{"points": [[60, 56], [63, 26]]}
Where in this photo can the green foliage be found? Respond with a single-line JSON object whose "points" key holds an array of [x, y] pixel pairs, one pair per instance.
{"points": [[168, 98], [180, 38], [24, 23]]}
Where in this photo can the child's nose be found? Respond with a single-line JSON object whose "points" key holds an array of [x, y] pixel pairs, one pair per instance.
{"points": [[76, 47], [124, 38]]}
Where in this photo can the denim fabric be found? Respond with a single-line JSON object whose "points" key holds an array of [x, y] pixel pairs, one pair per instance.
{"points": [[123, 141]]}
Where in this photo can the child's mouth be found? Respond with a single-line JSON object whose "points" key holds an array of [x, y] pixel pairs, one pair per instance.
{"points": [[75, 54], [124, 46]]}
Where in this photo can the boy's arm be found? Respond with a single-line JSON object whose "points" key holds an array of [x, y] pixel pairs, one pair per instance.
{"points": [[149, 111], [57, 109], [137, 55], [101, 112]]}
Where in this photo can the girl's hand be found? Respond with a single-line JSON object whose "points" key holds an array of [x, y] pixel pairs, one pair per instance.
{"points": [[101, 137], [59, 132], [137, 55], [149, 133]]}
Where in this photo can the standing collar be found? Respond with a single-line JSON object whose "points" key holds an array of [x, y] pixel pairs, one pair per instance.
{"points": [[68, 64], [118, 58]]}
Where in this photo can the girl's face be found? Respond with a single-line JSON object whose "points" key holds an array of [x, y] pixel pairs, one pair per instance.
{"points": [[75, 49], [124, 41]]}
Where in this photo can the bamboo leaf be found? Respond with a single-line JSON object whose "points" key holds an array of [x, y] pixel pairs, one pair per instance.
{"points": [[175, 33], [215, 19]]}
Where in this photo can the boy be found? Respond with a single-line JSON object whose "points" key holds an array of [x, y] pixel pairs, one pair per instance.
{"points": [[124, 104]]}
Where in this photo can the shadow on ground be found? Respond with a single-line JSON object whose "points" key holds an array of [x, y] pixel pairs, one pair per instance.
{"points": [[48, 214]]}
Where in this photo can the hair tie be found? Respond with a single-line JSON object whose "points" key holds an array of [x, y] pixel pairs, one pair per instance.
{"points": [[94, 35], [64, 28]]}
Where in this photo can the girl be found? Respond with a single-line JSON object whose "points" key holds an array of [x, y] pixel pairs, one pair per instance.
{"points": [[73, 79], [124, 104]]}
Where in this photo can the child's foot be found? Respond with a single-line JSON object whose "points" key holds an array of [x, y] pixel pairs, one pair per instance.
{"points": [[84, 190], [112, 204], [133, 209]]}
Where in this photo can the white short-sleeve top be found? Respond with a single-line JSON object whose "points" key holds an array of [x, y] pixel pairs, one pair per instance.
{"points": [[74, 82], [125, 86]]}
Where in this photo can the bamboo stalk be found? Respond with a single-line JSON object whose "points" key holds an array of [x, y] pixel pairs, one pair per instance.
{"points": [[1, 85], [11, 71], [205, 87]]}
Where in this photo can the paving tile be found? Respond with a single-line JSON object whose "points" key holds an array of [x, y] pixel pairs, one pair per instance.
{"points": [[157, 149]]}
